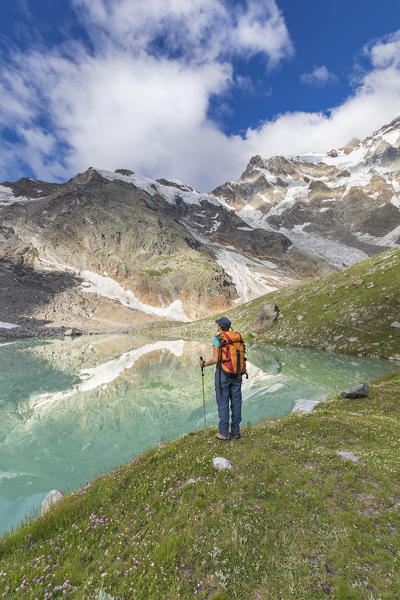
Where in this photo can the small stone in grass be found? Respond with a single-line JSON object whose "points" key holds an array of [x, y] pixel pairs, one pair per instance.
{"points": [[221, 464], [349, 456], [51, 498]]}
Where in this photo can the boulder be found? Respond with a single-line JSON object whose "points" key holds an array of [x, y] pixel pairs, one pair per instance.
{"points": [[358, 391], [222, 464], [51, 498], [266, 316], [395, 325]]}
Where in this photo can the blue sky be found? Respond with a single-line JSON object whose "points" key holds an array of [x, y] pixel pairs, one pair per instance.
{"points": [[190, 89]]}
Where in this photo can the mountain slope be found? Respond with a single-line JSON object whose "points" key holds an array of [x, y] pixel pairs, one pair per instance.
{"points": [[354, 311]]}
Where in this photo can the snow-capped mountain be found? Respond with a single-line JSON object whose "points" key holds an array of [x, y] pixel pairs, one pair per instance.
{"points": [[107, 250], [341, 206], [110, 249]]}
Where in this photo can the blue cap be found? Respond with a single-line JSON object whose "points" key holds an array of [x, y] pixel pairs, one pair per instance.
{"points": [[224, 322]]}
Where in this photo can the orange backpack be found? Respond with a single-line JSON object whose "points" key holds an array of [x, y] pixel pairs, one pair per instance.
{"points": [[232, 357]]}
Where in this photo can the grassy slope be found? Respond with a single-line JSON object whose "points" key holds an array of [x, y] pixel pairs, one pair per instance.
{"points": [[338, 313], [293, 520]]}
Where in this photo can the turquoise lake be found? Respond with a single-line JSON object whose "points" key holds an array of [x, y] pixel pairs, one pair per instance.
{"points": [[74, 408]]}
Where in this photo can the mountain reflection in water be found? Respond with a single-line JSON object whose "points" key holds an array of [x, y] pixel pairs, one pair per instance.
{"points": [[74, 408]]}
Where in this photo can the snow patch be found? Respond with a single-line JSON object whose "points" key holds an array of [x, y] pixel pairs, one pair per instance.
{"points": [[169, 193], [395, 200], [389, 240], [109, 288], [7, 196], [300, 227], [391, 136], [263, 197], [247, 274], [7, 325]]}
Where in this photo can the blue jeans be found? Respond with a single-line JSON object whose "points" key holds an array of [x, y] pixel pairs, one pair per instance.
{"points": [[230, 390]]}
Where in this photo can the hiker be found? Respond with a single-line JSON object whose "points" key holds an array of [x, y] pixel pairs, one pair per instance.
{"points": [[229, 356]]}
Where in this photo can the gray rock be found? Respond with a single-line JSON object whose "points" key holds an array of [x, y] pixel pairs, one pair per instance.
{"points": [[125, 172], [266, 316], [69, 332], [395, 325], [222, 464], [51, 498], [358, 391], [304, 405], [349, 456]]}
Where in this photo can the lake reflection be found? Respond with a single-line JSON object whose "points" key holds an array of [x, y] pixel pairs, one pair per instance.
{"points": [[74, 408]]}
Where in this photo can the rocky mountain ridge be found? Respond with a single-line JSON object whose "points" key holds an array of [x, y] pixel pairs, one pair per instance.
{"points": [[342, 206], [107, 250], [123, 245]]}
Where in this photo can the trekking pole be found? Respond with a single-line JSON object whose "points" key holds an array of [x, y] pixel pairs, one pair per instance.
{"points": [[204, 402]]}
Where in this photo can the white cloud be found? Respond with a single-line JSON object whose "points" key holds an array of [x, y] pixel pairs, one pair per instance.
{"points": [[141, 98], [319, 76], [385, 52], [201, 29], [126, 104], [375, 102], [262, 29]]}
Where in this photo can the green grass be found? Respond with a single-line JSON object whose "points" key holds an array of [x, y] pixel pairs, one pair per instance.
{"points": [[349, 311], [154, 273], [292, 520]]}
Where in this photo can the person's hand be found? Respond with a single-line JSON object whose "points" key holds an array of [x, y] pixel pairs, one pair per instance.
{"points": [[202, 363]]}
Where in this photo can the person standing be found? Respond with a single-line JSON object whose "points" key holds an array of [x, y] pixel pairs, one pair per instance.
{"points": [[228, 355]]}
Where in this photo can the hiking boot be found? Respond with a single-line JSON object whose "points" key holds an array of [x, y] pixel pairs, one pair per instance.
{"points": [[236, 436], [222, 438]]}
